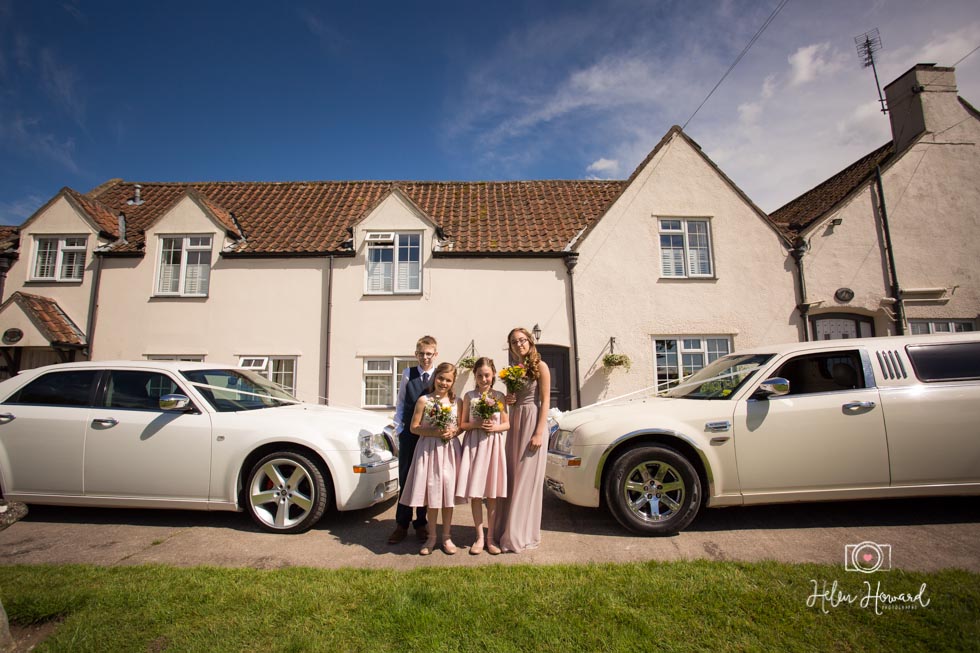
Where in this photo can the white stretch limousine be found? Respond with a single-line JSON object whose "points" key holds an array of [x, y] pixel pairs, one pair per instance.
{"points": [[814, 421], [187, 435]]}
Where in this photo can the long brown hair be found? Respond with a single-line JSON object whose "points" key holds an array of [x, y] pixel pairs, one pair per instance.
{"points": [[440, 368], [532, 359], [485, 361]]}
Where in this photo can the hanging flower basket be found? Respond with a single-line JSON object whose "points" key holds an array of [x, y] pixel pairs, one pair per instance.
{"points": [[609, 361], [466, 363]]}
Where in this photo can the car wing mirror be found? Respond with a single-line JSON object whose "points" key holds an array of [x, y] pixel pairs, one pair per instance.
{"points": [[774, 387], [174, 402]]}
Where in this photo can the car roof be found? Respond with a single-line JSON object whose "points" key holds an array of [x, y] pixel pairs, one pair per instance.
{"points": [[174, 366], [883, 342]]}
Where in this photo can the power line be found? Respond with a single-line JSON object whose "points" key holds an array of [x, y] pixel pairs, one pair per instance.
{"points": [[741, 54]]}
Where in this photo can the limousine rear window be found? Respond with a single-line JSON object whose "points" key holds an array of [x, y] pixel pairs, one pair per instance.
{"points": [[947, 361]]}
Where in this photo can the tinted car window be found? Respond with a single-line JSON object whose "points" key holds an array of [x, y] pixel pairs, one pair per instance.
{"points": [[953, 361], [69, 388], [824, 372], [137, 389]]}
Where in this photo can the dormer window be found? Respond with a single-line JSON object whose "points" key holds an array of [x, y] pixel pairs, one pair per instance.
{"points": [[185, 266], [58, 258], [394, 263]]}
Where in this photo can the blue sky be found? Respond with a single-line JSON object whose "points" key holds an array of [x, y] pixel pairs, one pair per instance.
{"points": [[436, 90]]}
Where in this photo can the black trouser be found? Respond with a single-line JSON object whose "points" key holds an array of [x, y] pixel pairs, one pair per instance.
{"points": [[406, 452]]}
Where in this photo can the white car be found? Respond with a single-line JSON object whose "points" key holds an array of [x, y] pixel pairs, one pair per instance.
{"points": [[815, 421], [187, 435]]}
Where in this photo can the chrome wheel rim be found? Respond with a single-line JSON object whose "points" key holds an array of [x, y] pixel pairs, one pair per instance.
{"points": [[654, 491], [281, 493]]}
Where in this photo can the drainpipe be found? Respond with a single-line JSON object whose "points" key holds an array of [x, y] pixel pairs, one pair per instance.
{"points": [[326, 345], [4, 266], [890, 255], [571, 260], [800, 248], [93, 304]]}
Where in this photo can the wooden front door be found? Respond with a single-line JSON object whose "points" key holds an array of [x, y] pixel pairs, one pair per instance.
{"points": [[556, 358]]}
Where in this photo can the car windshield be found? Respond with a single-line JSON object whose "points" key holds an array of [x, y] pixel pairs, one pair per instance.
{"points": [[233, 390], [720, 379]]}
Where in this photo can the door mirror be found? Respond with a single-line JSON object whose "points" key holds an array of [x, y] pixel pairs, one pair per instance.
{"points": [[174, 402], [774, 387]]}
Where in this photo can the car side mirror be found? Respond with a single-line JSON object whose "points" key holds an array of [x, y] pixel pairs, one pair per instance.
{"points": [[174, 402], [774, 387]]}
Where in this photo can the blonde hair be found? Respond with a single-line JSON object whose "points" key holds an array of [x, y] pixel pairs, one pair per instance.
{"points": [[426, 341], [532, 359]]}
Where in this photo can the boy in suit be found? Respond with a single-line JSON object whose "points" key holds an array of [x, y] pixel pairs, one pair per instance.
{"points": [[415, 382]]}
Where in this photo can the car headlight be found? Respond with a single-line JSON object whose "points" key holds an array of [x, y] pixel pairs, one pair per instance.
{"points": [[375, 446], [562, 441]]}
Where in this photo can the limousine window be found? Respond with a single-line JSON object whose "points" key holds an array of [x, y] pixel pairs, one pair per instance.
{"points": [[831, 371], [72, 388], [950, 361], [721, 378]]}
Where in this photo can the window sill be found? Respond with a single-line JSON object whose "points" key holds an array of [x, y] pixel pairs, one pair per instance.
{"points": [[409, 293], [178, 296], [59, 281]]}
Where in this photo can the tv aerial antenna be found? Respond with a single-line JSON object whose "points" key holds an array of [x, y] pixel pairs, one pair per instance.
{"points": [[867, 44]]}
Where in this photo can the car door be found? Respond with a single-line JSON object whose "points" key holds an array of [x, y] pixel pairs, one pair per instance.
{"points": [[828, 433], [42, 433], [135, 450]]}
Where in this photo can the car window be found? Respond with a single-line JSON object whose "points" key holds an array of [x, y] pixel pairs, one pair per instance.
{"points": [[65, 388], [949, 361], [137, 389], [229, 390], [830, 371], [721, 378]]}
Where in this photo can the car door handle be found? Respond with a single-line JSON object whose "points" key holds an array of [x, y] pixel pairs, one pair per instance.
{"points": [[105, 421], [7, 416], [857, 405]]}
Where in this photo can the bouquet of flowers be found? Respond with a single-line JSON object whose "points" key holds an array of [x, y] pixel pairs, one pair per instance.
{"points": [[440, 415], [514, 377], [486, 406]]}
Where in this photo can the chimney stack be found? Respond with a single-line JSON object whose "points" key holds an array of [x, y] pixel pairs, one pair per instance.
{"points": [[922, 100]]}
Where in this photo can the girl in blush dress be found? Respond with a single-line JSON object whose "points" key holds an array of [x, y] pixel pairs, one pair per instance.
{"points": [[431, 479], [519, 515], [483, 467]]}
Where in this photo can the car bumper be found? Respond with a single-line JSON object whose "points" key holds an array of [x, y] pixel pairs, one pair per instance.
{"points": [[567, 478], [372, 483]]}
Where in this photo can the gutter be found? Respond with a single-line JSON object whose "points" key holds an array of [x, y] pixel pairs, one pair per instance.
{"points": [[571, 260], [326, 344], [93, 303], [799, 250], [890, 255]]}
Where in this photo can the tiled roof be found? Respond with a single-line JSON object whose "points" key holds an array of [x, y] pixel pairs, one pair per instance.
{"points": [[48, 317], [105, 219], [9, 237], [314, 217], [811, 206]]}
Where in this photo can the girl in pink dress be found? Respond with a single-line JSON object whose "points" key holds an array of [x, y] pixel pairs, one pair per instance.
{"points": [[431, 479], [483, 467], [519, 515]]}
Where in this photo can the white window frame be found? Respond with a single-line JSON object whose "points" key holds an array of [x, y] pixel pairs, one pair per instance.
{"points": [[686, 345], [61, 249], [266, 366], [392, 373], [187, 246], [391, 282], [666, 227], [940, 326]]}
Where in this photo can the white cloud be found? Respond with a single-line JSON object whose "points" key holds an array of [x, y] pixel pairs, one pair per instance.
{"points": [[24, 135], [813, 61], [61, 84], [606, 168], [16, 211]]}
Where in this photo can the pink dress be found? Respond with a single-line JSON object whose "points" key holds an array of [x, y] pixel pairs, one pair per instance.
{"points": [[519, 515], [431, 479], [483, 466]]}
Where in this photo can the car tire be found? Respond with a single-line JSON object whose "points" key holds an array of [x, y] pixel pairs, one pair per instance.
{"points": [[286, 492], [653, 490]]}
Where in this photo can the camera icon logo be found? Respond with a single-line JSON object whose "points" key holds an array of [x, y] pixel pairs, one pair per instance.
{"points": [[867, 557]]}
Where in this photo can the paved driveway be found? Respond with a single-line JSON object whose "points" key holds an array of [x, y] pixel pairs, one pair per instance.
{"points": [[925, 534]]}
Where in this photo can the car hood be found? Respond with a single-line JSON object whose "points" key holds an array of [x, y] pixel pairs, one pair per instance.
{"points": [[317, 418], [648, 412]]}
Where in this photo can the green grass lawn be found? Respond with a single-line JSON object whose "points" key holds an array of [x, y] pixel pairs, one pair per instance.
{"points": [[676, 606]]}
